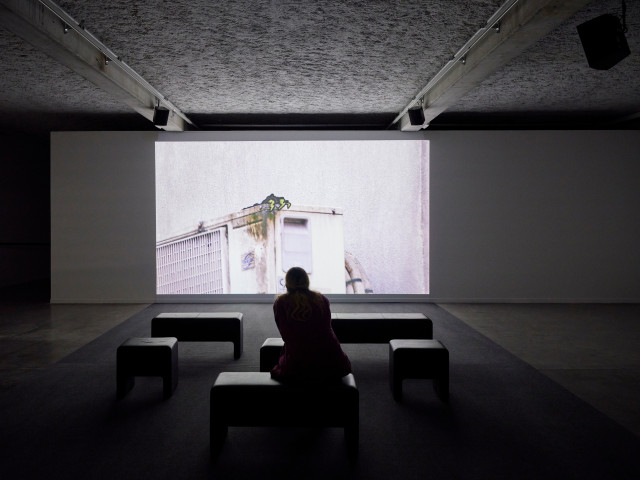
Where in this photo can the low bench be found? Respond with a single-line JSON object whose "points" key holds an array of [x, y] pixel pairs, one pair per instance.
{"points": [[419, 359], [201, 327], [150, 357], [360, 328], [380, 327], [254, 399]]}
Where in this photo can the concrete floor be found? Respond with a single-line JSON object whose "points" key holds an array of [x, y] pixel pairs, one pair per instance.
{"points": [[34, 335], [591, 350]]}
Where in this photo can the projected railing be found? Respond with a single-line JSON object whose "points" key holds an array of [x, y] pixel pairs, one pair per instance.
{"points": [[191, 265]]}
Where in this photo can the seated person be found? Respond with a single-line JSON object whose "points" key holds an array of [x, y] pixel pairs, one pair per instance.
{"points": [[311, 350]]}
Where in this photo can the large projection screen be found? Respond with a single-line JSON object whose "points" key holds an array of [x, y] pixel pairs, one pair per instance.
{"points": [[233, 216]]}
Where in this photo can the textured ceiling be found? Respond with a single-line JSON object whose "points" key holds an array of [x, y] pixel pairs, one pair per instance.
{"points": [[353, 63], [552, 80], [285, 56]]}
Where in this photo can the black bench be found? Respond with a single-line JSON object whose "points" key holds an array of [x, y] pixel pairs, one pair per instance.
{"points": [[361, 328], [147, 357], [419, 359], [254, 399], [201, 327], [380, 327]]}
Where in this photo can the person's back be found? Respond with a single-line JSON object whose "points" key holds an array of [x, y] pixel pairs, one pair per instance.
{"points": [[311, 350]]}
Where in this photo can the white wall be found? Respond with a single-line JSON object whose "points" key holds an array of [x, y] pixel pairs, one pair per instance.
{"points": [[515, 216], [102, 217], [549, 216]]}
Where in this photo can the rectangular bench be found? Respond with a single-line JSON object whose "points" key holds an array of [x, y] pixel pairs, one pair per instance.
{"points": [[380, 327], [254, 399], [201, 327], [361, 328]]}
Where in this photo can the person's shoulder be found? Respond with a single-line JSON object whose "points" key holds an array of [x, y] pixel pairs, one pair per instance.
{"points": [[323, 298], [280, 300]]}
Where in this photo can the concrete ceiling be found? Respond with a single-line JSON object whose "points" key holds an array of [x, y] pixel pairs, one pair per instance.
{"points": [[315, 64]]}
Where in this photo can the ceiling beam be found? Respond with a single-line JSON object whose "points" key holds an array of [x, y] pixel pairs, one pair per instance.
{"points": [[51, 30], [516, 26]]}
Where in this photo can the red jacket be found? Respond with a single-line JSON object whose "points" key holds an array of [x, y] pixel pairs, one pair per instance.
{"points": [[311, 350]]}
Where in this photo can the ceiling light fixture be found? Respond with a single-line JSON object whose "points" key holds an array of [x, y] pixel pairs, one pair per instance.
{"points": [[520, 24], [460, 56], [603, 40], [39, 21], [161, 116]]}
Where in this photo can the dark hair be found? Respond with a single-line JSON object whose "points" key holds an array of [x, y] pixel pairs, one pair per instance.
{"points": [[296, 280], [302, 299]]}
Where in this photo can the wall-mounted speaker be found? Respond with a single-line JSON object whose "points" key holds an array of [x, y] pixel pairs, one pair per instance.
{"points": [[603, 41], [416, 116], [160, 116]]}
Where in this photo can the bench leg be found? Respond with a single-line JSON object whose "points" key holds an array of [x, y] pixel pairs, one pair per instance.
{"points": [[351, 435], [125, 384], [441, 387], [169, 384], [396, 387], [237, 349], [217, 436]]}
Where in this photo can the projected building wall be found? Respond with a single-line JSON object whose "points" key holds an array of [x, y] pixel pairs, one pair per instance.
{"points": [[232, 217]]}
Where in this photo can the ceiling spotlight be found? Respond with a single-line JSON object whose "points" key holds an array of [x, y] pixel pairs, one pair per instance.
{"points": [[416, 116], [106, 60], [496, 27], [160, 116], [65, 27], [464, 60]]}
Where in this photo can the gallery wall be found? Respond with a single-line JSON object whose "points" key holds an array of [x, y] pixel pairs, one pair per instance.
{"points": [[515, 216], [535, 216], [102, 217]]}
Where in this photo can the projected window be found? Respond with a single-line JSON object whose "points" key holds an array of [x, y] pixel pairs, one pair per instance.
{"points": [[354, 214], [296, 244]]}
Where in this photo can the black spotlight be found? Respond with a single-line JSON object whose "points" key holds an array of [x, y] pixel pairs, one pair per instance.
{"points": [[603, 41], [416, 116], [160, 116]]}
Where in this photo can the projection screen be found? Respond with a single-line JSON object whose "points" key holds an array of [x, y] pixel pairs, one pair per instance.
{"points": [[233, 216]]}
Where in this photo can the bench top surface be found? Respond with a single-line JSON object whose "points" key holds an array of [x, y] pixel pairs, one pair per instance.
{"points": [[334, 316], [273, 342], [202, 315], [378, 316], [149, 342], [411, 344], [263, 379]]}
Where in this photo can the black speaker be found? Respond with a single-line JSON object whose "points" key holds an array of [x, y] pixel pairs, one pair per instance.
{"points": [[416, 116], [160, 116], [603, 41]]}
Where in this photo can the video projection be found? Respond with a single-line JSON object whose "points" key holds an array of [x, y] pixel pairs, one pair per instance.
{"points": [[233, 216]]}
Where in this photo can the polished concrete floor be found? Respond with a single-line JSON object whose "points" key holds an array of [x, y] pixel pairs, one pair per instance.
{"points": [[591, 350], [34, 335]]}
